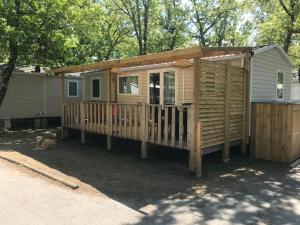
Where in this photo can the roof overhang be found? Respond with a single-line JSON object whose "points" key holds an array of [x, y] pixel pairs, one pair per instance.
{"points": [[163, 57]]}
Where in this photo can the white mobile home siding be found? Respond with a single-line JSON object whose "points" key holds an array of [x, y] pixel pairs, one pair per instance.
{"points": [[29, 95], [264, 75], [24, 97]]}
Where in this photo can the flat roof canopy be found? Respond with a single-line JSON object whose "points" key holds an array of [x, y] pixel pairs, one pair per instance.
{"points": [[163, 57]]}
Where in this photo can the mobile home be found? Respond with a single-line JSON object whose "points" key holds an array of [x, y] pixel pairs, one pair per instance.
{"points": [[32, 95], [271, 74], [182, 99]]}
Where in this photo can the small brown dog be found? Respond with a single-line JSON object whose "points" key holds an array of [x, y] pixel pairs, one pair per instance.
{"points": [[44, 143]]}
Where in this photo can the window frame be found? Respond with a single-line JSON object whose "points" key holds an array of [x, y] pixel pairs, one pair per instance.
{"points": [[77, 91], [100, 88], [129, 75], [283, 74]]}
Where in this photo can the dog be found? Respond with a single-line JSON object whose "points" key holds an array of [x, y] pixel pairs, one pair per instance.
{"points": [[44, 143]]}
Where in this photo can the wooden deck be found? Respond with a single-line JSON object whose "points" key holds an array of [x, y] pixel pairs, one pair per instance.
{"points": [[163, 125]]}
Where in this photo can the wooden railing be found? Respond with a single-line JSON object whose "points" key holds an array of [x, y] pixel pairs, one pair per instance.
{"points": [[159, 124], [126, 120], [94, 117], [71, 116], [168, 125]]}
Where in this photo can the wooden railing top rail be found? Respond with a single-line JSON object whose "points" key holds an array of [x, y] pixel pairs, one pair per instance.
{"points": [[170, 106], [129, 104]]}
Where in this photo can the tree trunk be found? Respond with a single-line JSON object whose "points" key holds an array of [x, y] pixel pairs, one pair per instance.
{"points": [[288, 40], [8, 69]]}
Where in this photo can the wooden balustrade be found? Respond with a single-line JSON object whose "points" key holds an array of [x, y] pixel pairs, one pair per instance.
{"points": [[167, 125], [88, 116], [126, 120], [72, 115], [95, 119], [159, 124]]}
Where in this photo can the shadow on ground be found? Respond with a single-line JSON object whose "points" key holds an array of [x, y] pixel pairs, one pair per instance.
{"points": [[243, 191]]}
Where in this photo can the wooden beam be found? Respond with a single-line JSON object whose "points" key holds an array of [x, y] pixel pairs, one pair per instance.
{"points": [[163, 57], [183, 63], [226, 149], [246, 105], [116, 70], [108, 111], [194, 117], [144, 133], [199, 149], [62, 106]]}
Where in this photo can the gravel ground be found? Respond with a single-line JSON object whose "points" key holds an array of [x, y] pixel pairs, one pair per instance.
{"points": [[118, 188]]}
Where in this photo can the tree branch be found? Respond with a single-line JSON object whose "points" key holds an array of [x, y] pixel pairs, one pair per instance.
{"points": [[285, 8]]}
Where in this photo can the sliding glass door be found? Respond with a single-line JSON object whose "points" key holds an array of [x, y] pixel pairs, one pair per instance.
{"points": [[162, 88]]}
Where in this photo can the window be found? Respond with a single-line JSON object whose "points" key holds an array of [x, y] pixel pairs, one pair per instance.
{"points": [[72, 88], [280, 78], [154, 88], [129, 85], [96, 88]]}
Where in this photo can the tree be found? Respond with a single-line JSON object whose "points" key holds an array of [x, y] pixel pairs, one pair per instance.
{"points": [[139, 14], [205, 14], [12, 37], [233, 29], [292, 10], [278, 21], [34, 32], [173, 25], [99, 33]]}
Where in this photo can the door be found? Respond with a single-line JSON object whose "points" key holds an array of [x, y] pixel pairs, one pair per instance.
{"points": [[162, 88]]}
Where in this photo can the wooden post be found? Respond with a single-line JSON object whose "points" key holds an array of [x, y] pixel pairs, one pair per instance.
{"points": [[193, 117], [144, 150], [82, 122], [226, 149], [108, 112], [191, 138], [62, 106], [199, 150], [246, 105]]}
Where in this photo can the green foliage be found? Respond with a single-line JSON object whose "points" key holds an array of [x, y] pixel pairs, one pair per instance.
{"points": [[278, 22], [66, 32]]}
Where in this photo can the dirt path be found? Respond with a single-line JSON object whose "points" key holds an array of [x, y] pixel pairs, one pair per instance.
{"points": [[157, 191]]}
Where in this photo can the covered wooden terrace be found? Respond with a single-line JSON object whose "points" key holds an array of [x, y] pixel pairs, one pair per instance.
{"points": [[176, 126]]}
